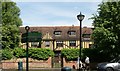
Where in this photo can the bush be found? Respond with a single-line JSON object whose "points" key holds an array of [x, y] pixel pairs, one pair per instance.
{"points": [[95, 55], [40, 53], [6, 54], [35, 53], [19, 52], [70, 54]]}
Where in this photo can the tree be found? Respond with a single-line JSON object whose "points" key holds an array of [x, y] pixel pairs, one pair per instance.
{"points": [[10, 25], [106, 34]]}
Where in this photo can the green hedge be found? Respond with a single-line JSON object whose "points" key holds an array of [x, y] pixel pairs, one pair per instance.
{"points": [[40, 53], [35, 53], [95, 55], [70, 54], [92, 53], [19, 52], [6, 54]]}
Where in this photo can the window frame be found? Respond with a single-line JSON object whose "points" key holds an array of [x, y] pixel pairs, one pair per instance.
{"points": [[47, 43], [72, 43], [71, 33], [34, 44], [86, 37], [59, 43], [57, 33]]}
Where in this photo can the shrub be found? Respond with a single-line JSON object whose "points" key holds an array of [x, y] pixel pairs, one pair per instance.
{"points": [[6, 54], [95, 55], [19, 52], [40, 53], [70, 54], [35, 53]]}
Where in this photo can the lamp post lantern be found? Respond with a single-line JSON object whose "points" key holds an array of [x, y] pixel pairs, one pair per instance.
{"points": [[27, 30], [80, 17]]}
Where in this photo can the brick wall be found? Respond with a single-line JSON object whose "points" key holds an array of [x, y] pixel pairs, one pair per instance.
{"points": [[69, 63], [39, 64]]}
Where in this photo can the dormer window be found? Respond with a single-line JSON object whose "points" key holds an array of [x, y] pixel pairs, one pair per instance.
{"points": [[57, 32], [72, 32], [86, 36]]}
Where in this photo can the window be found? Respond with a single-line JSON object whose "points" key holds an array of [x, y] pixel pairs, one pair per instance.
{"points": [[57, 32], [34, 44], [59, 43], [72, 43], [47, 43], [86, 36], [71, 32]]}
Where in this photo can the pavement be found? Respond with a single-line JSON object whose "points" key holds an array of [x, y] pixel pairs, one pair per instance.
{"points": [[34, 69], [43, 69], [46, 69]]}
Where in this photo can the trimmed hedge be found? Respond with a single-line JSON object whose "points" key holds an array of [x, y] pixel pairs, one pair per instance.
{"points": [[19, 52], [40, 53], [70, 54], [6, 54], [35, 53], [92, 53]]}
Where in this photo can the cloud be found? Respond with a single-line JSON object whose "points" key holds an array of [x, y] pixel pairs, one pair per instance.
{"points": [[55, 13]]}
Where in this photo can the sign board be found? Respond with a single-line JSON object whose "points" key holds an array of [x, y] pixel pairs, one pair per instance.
{"points": [[32, 37]]}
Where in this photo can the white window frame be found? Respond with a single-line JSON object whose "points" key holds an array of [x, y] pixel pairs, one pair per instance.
{"points": [[59, 43], [72, 43]]}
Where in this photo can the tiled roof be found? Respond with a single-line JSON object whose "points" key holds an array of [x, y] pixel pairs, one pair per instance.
{"points": [[63, 29]]}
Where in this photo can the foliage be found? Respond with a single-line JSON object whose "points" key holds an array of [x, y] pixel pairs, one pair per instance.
{"points": [[0, 13], [94, 55], [19, 52], [40, 53], [106, 34], [35, 53], [10, 25], [6, 54], [70, 54]]}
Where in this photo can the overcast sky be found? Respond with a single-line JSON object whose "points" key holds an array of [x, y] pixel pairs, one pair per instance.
{"points": [[56, 13]]}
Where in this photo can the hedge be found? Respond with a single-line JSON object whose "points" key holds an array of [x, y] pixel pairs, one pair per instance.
{"points": [[19, 52], [70, 54], [35, 53], [40, 53], [6, 54], [95, 55]]}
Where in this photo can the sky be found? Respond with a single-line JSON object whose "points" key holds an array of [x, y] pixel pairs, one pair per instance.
{"points": [[56, 13]]}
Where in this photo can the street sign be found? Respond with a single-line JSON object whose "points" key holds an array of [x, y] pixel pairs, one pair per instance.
{"points": [[32, 37]]}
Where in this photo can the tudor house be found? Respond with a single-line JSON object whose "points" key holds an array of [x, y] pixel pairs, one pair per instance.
{"points": [[57, 38], [60, 37]]}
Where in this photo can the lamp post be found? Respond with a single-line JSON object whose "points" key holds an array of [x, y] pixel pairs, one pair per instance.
{"points": [[27, 30], [80, 17]]}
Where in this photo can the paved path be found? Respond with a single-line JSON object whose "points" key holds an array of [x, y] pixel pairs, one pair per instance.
{"points": [[41, 69], [46, 69], [36, 69]]}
